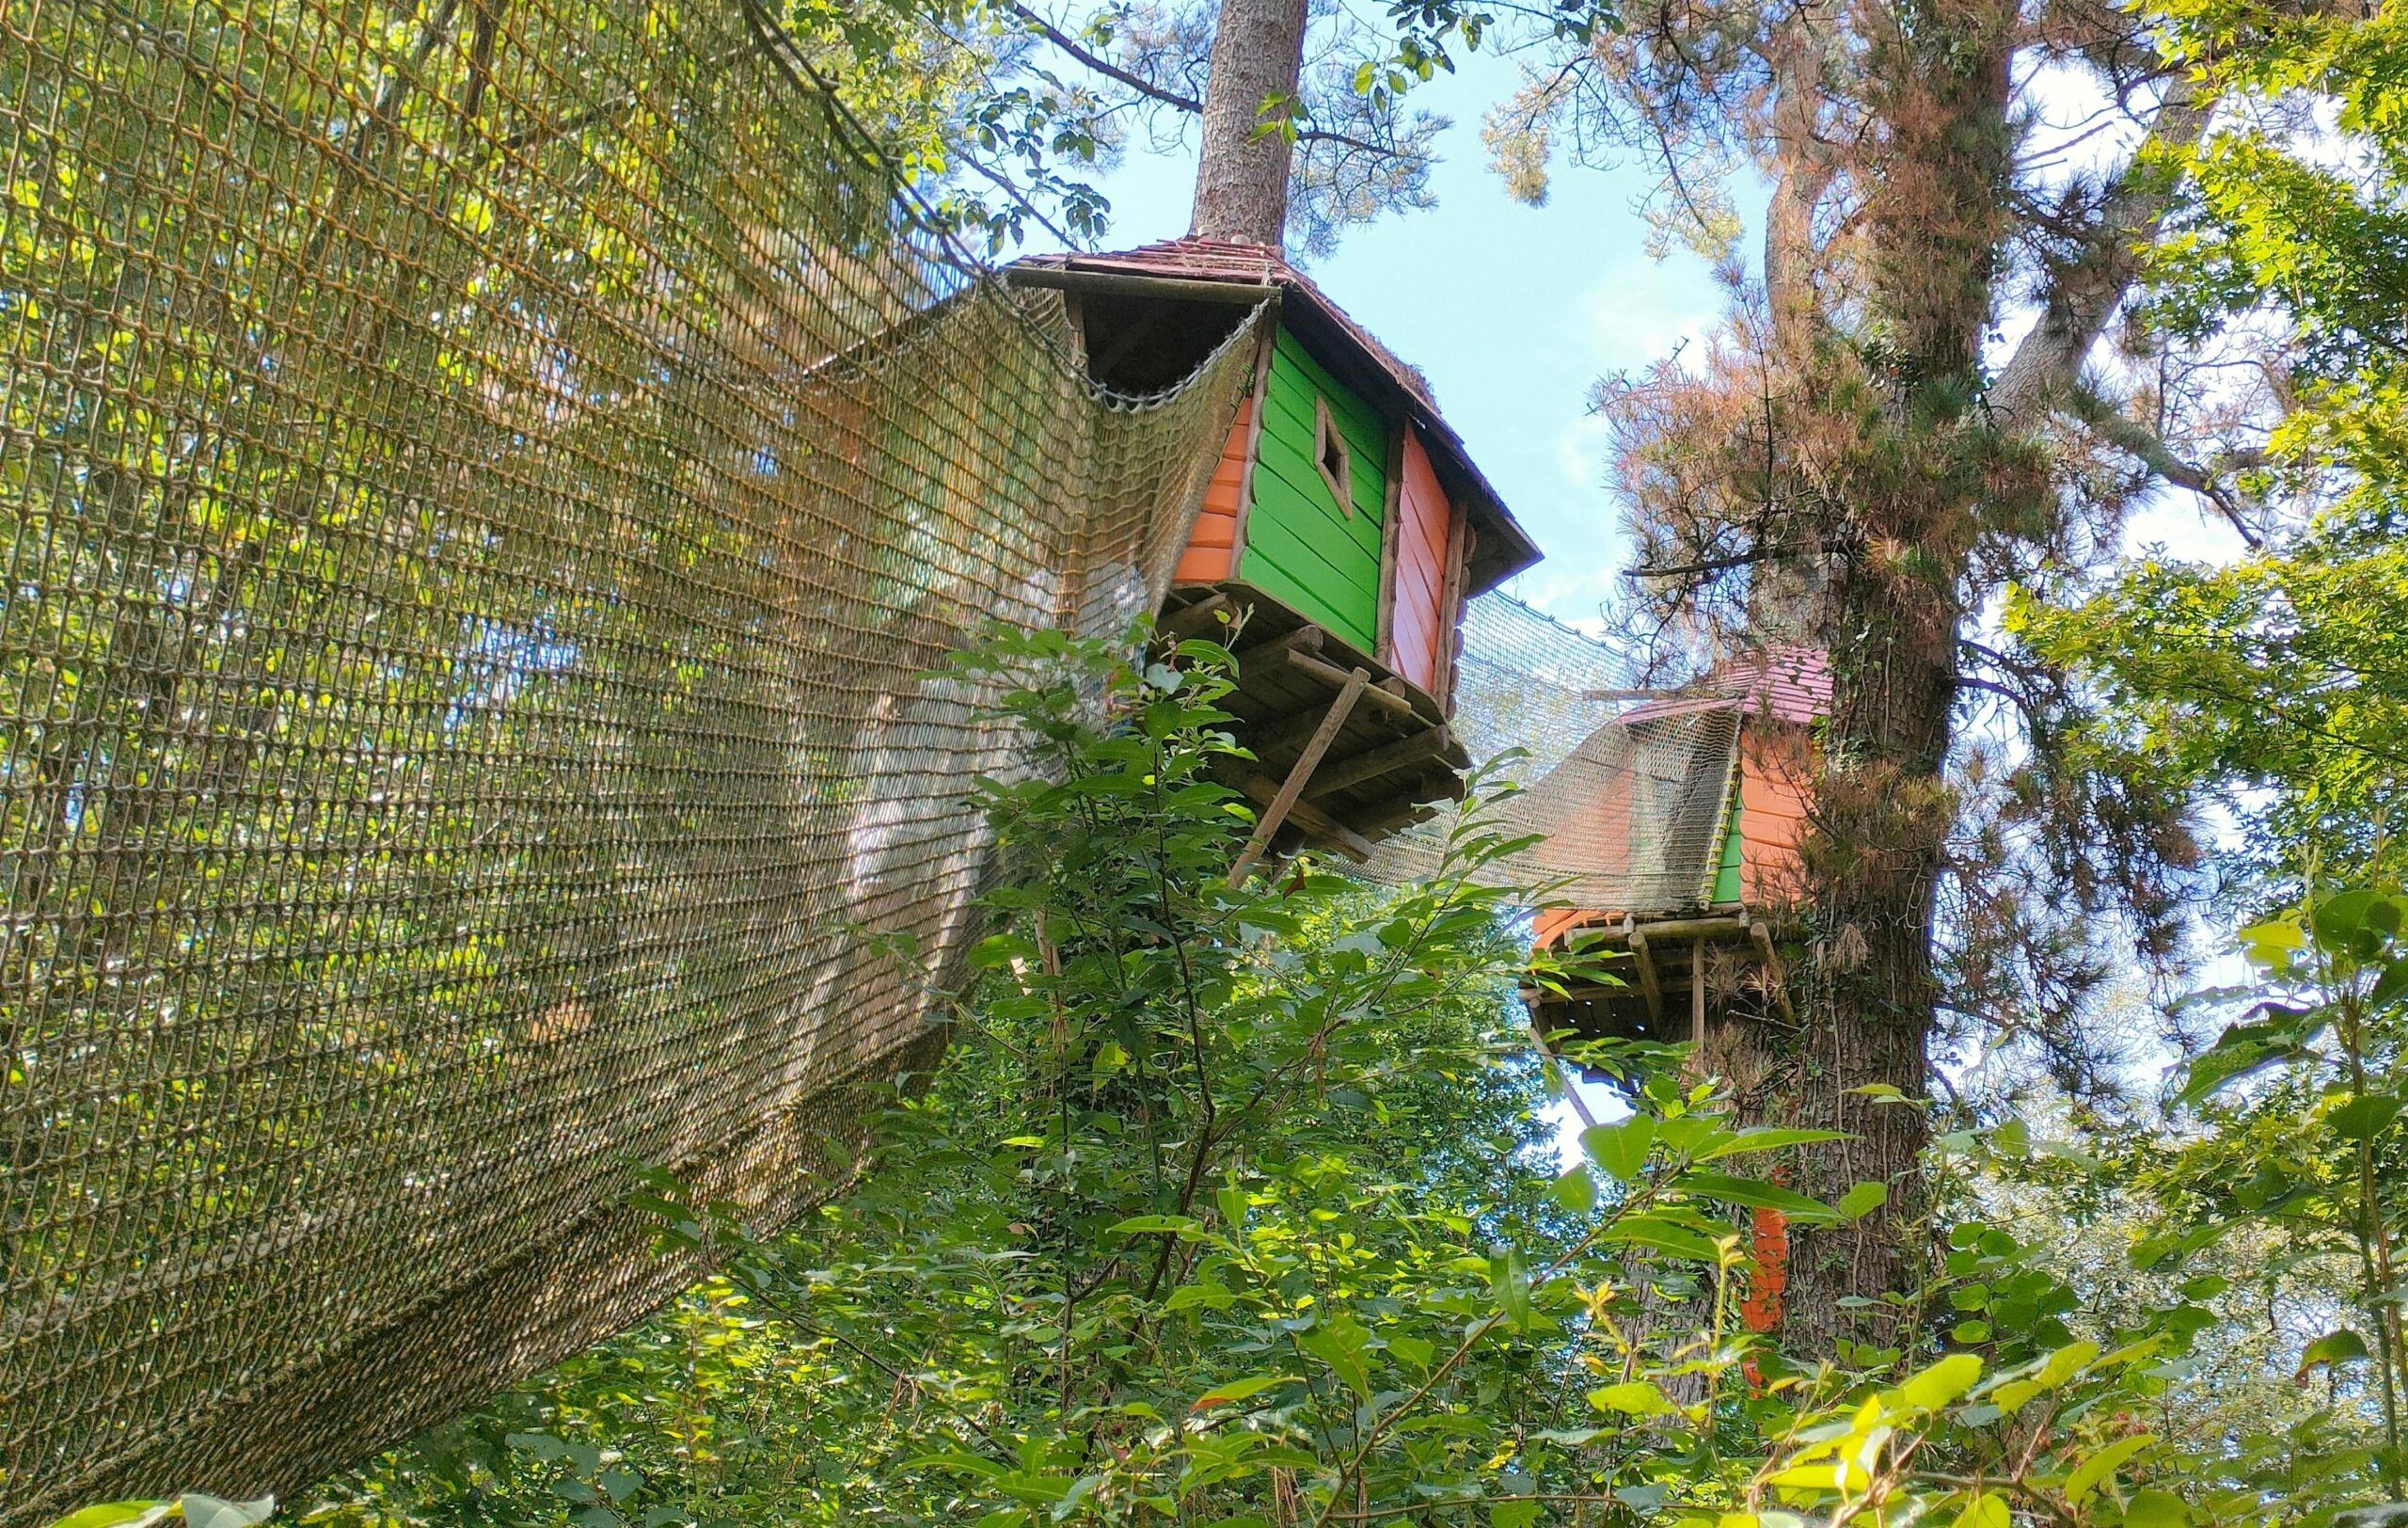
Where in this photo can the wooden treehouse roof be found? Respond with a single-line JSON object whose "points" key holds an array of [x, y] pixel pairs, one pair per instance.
{"points": [[1213, 269]]}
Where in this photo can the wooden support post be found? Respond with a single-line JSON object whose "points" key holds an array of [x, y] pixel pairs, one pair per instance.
{"points": [[1774, 975], [1384, 645], [1649, 986], [1277, 813], [1426, 743], [1318, 826], [1450, 607], [1263, 346], [1697, 1007]]}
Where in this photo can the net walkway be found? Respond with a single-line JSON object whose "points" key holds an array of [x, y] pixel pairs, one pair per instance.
{"points": [[481, 486]]}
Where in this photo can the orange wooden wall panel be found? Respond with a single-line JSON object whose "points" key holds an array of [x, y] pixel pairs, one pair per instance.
{"points": [[1774, 762], [1208, 558], [1425, 526]]}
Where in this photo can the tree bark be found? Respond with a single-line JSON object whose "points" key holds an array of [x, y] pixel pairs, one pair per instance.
{"points": [[1250, 101], [1916, 472]]}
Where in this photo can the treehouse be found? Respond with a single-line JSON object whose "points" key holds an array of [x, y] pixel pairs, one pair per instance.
{"points": [[1703, 945], [1346, 526]]}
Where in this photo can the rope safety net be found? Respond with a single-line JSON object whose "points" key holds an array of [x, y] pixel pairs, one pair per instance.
{"points": [[1627, 805], [483, 486]]}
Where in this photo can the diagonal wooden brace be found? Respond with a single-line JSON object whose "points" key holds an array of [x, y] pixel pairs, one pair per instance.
{"points": [[1302, 772]]}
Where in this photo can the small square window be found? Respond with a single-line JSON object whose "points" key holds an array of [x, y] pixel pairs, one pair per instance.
{"points": [[1330, 454]]}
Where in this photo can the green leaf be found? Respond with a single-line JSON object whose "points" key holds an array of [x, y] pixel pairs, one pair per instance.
{"points": [[1768, 1138], [1756, 1194], [1863, 1200], [114, 1514], [2272, 944], [1658, 1234], [1509, 1282], [1984, 1511], [1633, 1399], [2096, 1469], [2389, 985], [2331, 1351], [1620, 1148], [2154, 1508], [1239, 1390], [2362, 1118], [1340, 1342], [1512, 1514], [1577, 1191], [1154, 1225], [1942, 1384], [959, 1464], [1212, 1296], [2340, 916]]}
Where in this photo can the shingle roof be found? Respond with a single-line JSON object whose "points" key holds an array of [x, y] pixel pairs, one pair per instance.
{"points": [[1789, 683]]}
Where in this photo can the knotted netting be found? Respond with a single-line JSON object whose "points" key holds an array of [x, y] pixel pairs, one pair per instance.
{"points": [[1627, 803], [483, 486]]}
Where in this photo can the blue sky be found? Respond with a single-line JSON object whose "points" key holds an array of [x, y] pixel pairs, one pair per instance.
{"points": [[1511, 311]]}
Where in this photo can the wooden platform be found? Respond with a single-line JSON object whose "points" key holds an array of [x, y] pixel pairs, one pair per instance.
{"points": [[1387, 760], [1673, 972]]}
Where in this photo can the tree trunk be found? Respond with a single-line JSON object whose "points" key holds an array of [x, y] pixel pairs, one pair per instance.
{"points": [[1919, 465], [1249, 99]]}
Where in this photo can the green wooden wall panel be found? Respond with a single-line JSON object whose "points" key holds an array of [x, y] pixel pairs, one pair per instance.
{"points": [[1289, 436], [1300, 548], [1296, 474], [1726, 875], [1342, 588], [1292, 395]]}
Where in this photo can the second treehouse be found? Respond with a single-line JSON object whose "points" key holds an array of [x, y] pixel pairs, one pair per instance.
{"points": [[1703, 940], [1346, 524]]}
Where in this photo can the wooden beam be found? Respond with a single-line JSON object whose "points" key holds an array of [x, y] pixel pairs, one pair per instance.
{"points": [[1331, 674], [1316, 823], [1294, 786], [1777, 979], [1284, 733], [1697, 1008], [1672, 930], [1649, 986], [1181, 624], [1306, 638], [1263, 348], [1125, 284], [1384, 643], [1426, 743], [1450, 608]]}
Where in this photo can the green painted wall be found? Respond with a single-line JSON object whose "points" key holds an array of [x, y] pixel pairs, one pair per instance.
{"points": [[1299, 548], [1726, 878]]}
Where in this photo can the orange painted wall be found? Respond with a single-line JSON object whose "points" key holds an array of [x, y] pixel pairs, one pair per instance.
{"points": [[1418, 621], [1208, 558], [1774, 760], [1774, 764]]}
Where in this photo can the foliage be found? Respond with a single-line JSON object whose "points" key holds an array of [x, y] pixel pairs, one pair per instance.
{"points": [[1227, 1206], [2274, 685]]}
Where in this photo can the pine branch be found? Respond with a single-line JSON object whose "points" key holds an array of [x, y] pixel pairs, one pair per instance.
{"points": [[2119, 429], [2085, 292]]}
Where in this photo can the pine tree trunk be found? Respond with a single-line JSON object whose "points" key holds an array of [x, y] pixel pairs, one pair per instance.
{"points": [[1241, 180], [1917, 471]]}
